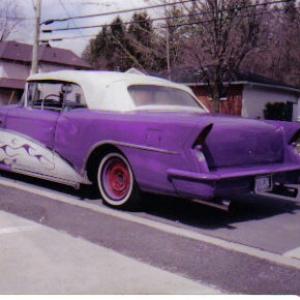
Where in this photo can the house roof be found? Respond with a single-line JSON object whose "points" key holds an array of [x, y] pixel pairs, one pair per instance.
{"points": [[14, 51], [246, 77], [192, 77]]}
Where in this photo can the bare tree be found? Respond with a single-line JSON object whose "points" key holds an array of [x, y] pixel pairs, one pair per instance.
{"points": [[288, 52], [10, 18], [277, 52], [219, 35], [172, 41], [264, 58]]}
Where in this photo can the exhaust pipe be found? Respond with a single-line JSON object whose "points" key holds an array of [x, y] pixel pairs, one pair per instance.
{"points": [[283, 190], [224, 204]]}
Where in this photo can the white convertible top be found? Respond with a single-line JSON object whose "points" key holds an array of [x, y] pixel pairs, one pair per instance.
{"points": [[104, 89]]}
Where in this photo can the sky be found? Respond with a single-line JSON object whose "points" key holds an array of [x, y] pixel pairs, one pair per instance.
{"points": [[54, 9]]}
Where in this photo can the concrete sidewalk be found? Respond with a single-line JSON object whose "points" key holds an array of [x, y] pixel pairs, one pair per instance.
{"points": [[35, 259]]}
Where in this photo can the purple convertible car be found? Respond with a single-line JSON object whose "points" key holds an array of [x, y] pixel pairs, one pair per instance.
{"points": [[130, 133]]}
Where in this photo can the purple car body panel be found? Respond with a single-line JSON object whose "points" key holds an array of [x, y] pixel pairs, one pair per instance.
{"points": [[185, 153]]}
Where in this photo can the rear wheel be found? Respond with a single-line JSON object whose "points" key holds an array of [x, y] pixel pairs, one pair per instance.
{"points": [[116, 182]]}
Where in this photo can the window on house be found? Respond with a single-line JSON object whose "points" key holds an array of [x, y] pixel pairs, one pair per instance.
{"points": [[223, 97]]}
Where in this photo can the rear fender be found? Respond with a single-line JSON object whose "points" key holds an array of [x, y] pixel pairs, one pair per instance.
{"points": [[289, 128]]}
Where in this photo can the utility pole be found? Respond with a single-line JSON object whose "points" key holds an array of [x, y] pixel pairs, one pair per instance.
{"points": [[35, 48], [168, 54]]}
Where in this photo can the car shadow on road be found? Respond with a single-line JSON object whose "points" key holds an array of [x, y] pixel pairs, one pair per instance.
{"points": [[183, 211], [246, 208]]}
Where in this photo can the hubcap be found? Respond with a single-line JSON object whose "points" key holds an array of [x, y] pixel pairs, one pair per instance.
{"points": [[116, 179]]}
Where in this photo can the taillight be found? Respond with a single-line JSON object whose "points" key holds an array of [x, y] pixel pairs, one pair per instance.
{"points": [[295, 141], [199, 142]]}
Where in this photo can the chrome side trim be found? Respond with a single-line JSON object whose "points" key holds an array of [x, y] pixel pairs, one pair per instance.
{"points": [[129, 145], [147, 148]]}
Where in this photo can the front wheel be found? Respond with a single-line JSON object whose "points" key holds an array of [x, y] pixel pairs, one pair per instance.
{"points": [[116, 182]]}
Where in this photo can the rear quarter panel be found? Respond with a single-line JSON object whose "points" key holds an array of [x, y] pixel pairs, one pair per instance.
{"points": [[151, 144]]}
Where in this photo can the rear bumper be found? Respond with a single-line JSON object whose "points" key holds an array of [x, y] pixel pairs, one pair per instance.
{"points": [[229, 181]]}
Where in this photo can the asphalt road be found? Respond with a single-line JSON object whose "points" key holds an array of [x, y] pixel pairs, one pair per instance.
{"points": [[254, 251]]}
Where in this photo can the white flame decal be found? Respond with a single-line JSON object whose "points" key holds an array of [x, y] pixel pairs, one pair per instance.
{"points": [[20, 153]]}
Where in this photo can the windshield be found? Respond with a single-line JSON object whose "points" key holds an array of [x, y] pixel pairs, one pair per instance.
{"points": [[145, 95]]}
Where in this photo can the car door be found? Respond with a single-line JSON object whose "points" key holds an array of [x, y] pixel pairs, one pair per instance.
{"points": [[28, 130], [36, 124], [28, 137]]}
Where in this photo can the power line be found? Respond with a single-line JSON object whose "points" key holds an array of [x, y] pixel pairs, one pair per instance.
{"points": [[50, 21], [163, 18], [111, 25], [154, 28], [65, 9]]}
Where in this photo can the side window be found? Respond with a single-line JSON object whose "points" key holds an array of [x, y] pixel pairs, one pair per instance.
{"points": [[73, 97], [55, 96]]}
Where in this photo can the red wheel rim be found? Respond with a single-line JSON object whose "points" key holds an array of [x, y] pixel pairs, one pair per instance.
{"points": [[116, 179]]}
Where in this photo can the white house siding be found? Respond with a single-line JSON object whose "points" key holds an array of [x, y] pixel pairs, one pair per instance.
{"points": [[44, 67], [255, 98], [14, 70]]}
